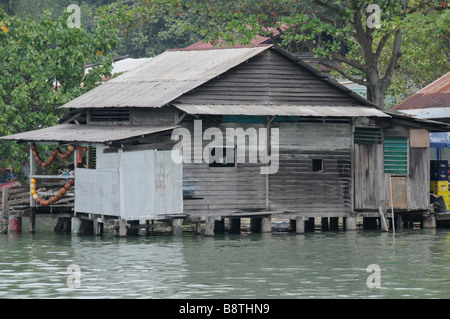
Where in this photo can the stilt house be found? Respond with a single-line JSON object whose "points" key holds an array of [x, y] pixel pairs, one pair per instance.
{"points": [[329, 152]]}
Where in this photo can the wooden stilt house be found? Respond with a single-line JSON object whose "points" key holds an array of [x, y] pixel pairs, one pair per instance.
{"points": [[332, 153]]}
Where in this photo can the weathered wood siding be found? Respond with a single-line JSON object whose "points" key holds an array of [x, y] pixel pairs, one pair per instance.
{"points": [[295, 187], [222, 190], [372, 183], [267, 78]]}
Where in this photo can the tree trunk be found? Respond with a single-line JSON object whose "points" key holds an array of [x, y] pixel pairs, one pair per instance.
{"points": [[375, 94]]}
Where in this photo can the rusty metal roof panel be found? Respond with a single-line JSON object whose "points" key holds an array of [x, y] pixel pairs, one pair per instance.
{"points": [[69, 133], [164, 78], [436, 94], [282, 110]]}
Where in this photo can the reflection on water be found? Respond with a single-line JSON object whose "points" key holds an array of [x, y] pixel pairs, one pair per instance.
{"points": [[414, 264]]}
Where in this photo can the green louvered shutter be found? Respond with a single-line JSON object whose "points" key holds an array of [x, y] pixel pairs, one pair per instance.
{"points": [[396, 155], [364, 135]]}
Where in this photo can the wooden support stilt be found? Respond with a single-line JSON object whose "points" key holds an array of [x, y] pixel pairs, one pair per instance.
{"points": [[76, 226], [429, 221], [177, 224], [266, 225], [350, 223], [4, 212], [209, 227], [399, 221], [198, 228], [300, 225], [98, 227], [15, 224], [384, 226], [122, 228], [33, 220]]}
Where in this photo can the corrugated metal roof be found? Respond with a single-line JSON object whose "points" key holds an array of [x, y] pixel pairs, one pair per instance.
{"points": [[429, 112], [68, 133], [282, 110], [164, 78], [436, 94]]}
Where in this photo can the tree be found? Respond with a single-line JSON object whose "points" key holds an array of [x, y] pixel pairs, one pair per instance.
{"points": [[346, 31], [150, 28], [42, 67]]}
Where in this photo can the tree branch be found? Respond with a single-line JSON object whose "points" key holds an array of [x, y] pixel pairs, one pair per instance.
{"points": [[386, 80], [327, 6], [345, 74]]}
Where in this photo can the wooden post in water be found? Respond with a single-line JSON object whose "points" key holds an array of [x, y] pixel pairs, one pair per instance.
{"points": [[198, 228], [177, 224], [350, 223], [266, 225], [429, 221], [76, 226], [122, 228], [33, 220], [209, 227], [5, 211], [383, 223], [300, 224], [15, 224]]}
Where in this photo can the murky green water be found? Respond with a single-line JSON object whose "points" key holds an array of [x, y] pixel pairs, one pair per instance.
{"points": [[416, 264]]}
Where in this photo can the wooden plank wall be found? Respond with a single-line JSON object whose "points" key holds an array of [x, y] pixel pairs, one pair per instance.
{"points": [[295, 187], [267, 78], [370, 184], [222, 190]]}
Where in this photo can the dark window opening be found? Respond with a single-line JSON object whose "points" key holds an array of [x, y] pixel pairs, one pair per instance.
{"points": [[222, 157], [317, 165]]}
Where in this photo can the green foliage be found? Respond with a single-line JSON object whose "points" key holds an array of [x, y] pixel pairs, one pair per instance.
{"points": [[150, 27], [42, 67]]}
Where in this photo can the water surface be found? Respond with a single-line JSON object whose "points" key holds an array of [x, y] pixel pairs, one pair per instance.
{"points": [[414, 264]]}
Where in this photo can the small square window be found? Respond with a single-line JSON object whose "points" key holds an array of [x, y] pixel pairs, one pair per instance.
{"points": [[317, 165], [222, 157]]}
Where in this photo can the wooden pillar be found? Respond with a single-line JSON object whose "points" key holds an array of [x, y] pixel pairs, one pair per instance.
{"points": [[334, 223], [5, 211], [429, 221], [198, 228], [76, 227], [14, 224], [398, 221], [235, 225], [209, 227], [122, 228], [266, 225], [33, 220], [177, 226], [300, 224], [350, 223], [98, 227], [324, 222], [383, 223]]}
